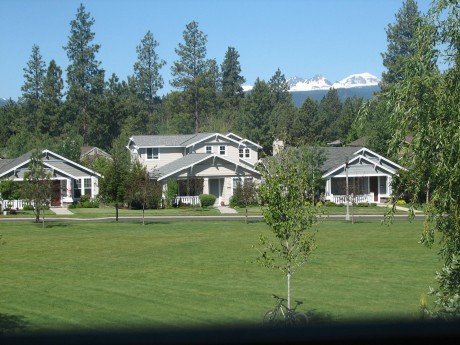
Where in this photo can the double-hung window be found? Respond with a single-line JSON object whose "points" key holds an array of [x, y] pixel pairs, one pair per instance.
{"points": [[153, 153], [223, 150], [208, 149], [87, 186], [245, 153]]}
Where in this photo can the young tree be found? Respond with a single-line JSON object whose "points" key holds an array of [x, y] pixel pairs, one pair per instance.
{"points": [[288, 214], [189, 70], [32, 90], [112, 185], [246, 193], [140, 187], [85, 79], [37, 185]]}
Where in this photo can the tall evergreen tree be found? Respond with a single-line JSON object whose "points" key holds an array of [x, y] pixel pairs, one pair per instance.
{"points": [[32, 89], [85, 78], [189, 70], [303, 129], [232, 81], [279, 87], [255, 118], [399, 37], [51, 105], [147, 69], [329, 111]]}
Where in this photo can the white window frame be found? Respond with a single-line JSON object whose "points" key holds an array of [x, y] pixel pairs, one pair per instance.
{"points": [[152, 155], [208, 147], [224, 150], [245, 153], [87, 186]]}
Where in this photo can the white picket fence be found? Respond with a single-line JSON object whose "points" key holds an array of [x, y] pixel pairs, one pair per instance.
{"points": [[342, 199], [188, 200], [14, 204]]}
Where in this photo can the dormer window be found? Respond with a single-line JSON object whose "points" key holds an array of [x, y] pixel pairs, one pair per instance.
{"points": [[245, 153], [153, 153]]}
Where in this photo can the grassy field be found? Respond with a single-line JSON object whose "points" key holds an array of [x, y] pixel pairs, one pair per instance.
{"points": [[114, 275]]}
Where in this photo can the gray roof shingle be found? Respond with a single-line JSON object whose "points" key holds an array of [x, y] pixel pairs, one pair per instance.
{"points": [[181, 163], [181, 140]]}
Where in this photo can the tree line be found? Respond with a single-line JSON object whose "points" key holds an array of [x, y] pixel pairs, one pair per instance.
{"points": [[90, 108]]}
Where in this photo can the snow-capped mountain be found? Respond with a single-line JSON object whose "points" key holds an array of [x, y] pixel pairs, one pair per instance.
{"points": [[357, 80], [3, 101], [319, 82]]}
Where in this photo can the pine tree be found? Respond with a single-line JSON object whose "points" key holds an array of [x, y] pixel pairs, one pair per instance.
{"points": [[304, 130], [189, 70], [147, 69], [329, 111], [51, 106], [32, 89], [399, 37], [85, 79], [279, 87], [232, 81]]}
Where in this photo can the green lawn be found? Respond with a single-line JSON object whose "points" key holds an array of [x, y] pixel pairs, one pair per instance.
{"points": [[197, 273]]}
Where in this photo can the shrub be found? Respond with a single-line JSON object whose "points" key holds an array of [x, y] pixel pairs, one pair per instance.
{"points": [[207, 200], [362, 204], [319, 204], [330, 204], [28, 208], [400, 202]]}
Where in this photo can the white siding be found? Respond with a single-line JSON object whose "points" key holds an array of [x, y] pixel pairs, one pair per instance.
{"points": [[166, 155]]}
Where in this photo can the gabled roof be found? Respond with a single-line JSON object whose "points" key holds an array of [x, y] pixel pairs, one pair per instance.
{"points": [[182, 140], [337, 157], [189, 161], [51, 160]]}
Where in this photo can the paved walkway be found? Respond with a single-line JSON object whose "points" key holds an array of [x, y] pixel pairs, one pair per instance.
{"points": [[226, 210], [61, 211]]}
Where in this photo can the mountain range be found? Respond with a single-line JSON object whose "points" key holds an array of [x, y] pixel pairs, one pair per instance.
{"points": [[319, 82], [2, 101]]}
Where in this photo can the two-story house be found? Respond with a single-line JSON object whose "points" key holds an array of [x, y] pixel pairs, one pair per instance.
{"points": [[202, 163]]}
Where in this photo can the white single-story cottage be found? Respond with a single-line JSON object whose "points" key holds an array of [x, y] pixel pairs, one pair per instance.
{"points": [[369, 174], [70, 180]]}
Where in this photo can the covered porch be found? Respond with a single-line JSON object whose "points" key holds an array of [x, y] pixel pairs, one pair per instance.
{"points": [[361, 189]]}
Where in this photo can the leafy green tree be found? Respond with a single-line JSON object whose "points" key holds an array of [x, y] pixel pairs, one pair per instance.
{"points": [[140, 188], [399, 38], [288, 214], [85, 78], [9, 190], [425, 105], [32, 89], [246, 194], [189, 70], [232, 80], [113, 184], [37, 185]]}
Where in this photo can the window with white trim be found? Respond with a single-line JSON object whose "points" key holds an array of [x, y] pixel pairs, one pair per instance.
{"points": [[208, 149], [245, 153], [223, 150], [153, 153], [87, 186]]}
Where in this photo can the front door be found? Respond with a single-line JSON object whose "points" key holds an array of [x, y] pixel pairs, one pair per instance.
{"points": [[215, 188], [374, 187], [56, 193]]}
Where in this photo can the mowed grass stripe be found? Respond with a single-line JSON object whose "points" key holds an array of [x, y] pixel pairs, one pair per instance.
{"points": [[93, 275]]}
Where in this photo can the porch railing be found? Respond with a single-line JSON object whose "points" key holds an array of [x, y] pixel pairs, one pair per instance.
{"points": [[342, 199], [188, 200], [14, 204]]}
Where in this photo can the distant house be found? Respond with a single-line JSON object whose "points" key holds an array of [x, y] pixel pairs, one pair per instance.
{"points": [[70, 180], [91, 153], [369, 174], [202, 163]]}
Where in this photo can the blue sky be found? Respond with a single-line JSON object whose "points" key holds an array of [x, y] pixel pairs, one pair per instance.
{"points": [[303, 38]]}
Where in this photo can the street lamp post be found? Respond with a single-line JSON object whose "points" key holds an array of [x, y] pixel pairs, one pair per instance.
{"points": [[347, 217]]}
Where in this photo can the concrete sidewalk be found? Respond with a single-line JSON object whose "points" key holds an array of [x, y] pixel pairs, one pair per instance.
{"points": [[61, 211], [226, 210]]}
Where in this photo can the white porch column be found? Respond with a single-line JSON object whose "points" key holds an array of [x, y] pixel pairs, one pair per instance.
{"points": [[205, 185]]}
